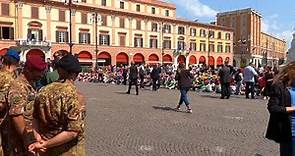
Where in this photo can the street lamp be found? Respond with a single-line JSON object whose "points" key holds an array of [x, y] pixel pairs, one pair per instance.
{"points": [[97, 21], [69, 4]]}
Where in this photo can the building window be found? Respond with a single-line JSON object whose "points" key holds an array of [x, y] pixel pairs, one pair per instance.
{"points": [[122, 22], [104, 39], [153, 10], [219, 35], [227, 49], [193, 46], [181, 30], [202, 46], [167, 28], [211, 47], [167, 13], [83, 18], [154, 27], [61, 36], [167, 44], [193, 32], [211, 34], [104, 2], [4, 9], [62, 16], [104, 20], [35, 35], [180, 45], [122, 5], [138, 24], [202, 32], [35, 12], [6, 33], [153, 43], [138, 42], [84, 38], [138, 7], [219, 48], [122, 40], [227, 36]]}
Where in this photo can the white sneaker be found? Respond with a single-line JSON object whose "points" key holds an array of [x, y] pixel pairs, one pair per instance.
{"points": [[189, 111]]}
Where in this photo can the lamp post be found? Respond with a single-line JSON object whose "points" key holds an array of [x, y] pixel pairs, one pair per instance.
{"points": [[97, 21], [69, 3]]}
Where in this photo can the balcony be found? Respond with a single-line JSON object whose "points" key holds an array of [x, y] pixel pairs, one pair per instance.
{"points": [[30, 44]]}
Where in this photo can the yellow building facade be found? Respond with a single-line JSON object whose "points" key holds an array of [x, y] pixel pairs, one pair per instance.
{"points": [[135, 30]]}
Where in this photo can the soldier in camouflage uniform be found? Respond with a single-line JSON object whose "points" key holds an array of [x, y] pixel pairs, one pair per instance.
{"points": [[7, 75], [59, 114], [20, 98]]}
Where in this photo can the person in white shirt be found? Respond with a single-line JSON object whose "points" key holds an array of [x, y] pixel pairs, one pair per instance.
{"points": [[249, 79]]}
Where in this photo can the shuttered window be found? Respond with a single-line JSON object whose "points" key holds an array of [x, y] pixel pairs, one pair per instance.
{"points": [[84, 38], [7, 33], [138, 42], [62, 36], [104, 39], [83, 18], [62, 16], [104, 20], [35, 12], [122, 38], [4, 9], [122, 22]]}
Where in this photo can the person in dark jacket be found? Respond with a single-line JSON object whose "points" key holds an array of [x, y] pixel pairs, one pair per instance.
{"points": [[281, 106], [125, 72], [155, 75], [184, 78], [225, 78], [133, 76]]}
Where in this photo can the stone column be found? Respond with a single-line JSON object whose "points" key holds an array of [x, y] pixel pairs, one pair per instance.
{"points": [[73, 17], [174, 38], [146, 38], [130, 31], [113, 30], [19, 23], [48, 22]]}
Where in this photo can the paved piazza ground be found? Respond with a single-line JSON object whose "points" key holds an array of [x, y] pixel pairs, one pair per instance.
{"points": [[130, 125]]}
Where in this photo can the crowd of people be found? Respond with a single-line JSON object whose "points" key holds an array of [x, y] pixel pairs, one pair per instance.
{"points": [[205, 79]]}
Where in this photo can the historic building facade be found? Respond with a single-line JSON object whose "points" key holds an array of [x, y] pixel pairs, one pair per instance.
{"points": [[250, 43], [134, 30]]}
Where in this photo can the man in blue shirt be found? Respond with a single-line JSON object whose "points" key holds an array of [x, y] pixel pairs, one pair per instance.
{"points": [[249, 79]]}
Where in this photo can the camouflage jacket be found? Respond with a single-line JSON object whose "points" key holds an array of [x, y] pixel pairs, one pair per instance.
{"points": [[5, 80], [21, 97], [58, 108]]}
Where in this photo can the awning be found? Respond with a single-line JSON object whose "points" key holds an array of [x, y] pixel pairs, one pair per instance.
{"points": [[192, 60], [219, 61], [138, 58]]}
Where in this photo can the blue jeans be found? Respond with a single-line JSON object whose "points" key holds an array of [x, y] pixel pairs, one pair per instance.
{"points": [[288, 149], [183, 95]]}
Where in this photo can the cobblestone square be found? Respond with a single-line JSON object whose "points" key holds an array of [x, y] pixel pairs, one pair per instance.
{"points": [[130, 125]]}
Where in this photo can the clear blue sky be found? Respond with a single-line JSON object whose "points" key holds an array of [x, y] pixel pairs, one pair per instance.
{"points": [[278, 15]]}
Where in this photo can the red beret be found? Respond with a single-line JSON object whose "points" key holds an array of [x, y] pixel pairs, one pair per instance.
{"points": [[36, 62]]}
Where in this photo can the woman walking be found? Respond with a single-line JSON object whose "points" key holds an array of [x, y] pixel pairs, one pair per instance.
{"points": [[184, 78], [281, 106]]}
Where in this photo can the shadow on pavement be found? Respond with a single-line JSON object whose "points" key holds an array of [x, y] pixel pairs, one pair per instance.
{"points": [[121, 93]]}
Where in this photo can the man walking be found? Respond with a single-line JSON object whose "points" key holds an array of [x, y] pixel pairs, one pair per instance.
{"points": [[249, 79], [184, 78], [225, 78], [133, 76], [155, 75]]}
